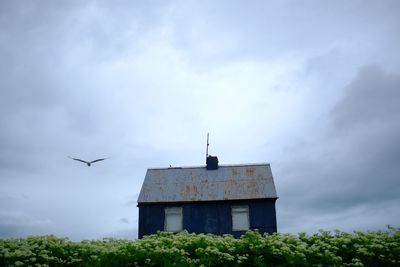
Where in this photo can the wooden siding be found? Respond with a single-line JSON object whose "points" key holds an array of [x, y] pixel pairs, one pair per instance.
{"points": [[209, 216]]}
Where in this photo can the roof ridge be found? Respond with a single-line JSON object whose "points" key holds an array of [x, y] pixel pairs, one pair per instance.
{"points": [[204, 166]]}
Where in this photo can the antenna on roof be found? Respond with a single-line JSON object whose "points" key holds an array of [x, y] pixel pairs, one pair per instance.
{"points": [[207, 145]]}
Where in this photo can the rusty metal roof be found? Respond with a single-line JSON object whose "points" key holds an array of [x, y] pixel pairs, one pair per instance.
{"points": [[228, 182]]}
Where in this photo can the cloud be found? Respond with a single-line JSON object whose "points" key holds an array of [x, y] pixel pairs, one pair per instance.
{"points": [[124, 220], [144, 83], [14, 223], [354, 164], [371, 98]]}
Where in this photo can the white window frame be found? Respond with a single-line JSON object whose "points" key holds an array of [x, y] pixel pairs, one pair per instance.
{"points": [[237, 211], [171, 211]]}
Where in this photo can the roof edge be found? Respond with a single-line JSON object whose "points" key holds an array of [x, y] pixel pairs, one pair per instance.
{"points": [[202, 201], [204, 166]]}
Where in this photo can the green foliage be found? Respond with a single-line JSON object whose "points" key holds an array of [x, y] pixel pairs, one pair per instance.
{"points": [[380, 248]]}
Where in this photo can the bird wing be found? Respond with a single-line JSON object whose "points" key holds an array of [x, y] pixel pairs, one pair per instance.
{"points": [[79, 160], [96, 160]]}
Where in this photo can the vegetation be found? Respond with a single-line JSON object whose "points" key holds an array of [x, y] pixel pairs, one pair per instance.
{"points": [[337, 248]]}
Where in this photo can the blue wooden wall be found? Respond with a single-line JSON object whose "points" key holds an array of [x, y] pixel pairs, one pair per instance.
{"points": [[209, 217]]}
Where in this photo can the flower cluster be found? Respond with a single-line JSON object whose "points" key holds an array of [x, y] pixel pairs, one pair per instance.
{"points": [[336, 248]]}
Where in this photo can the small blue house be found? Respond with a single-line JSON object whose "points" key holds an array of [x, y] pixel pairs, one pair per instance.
{"points": [[225, 199]]}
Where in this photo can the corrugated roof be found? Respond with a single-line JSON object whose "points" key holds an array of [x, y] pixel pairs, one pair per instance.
{"points": [[228, 182]]}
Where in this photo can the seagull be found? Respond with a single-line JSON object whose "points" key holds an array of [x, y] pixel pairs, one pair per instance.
{"points": [[88, 162]]}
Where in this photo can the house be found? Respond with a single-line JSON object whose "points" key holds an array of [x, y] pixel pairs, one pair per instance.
{"points": [[217, 199]]}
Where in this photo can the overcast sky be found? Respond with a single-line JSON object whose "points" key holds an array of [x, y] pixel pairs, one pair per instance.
{"points": [[311, 87]]}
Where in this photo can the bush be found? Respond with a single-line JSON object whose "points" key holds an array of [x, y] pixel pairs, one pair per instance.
{"points": [[337, 248]]}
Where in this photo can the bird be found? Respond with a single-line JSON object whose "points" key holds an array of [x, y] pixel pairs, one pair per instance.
{"points": [[87, 162]]}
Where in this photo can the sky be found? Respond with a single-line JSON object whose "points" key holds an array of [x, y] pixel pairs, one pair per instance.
{"points": [[311, 87]]}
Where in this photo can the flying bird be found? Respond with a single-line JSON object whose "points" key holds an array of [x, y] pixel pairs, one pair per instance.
{"points": [[88, 162]]}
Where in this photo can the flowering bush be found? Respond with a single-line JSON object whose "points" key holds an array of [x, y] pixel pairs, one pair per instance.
{"points": [[336, 248]]}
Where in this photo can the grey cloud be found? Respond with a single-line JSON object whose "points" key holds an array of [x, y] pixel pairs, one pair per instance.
{"points": [[124, 220], [13, 223], [371, 98], [254, 32], [134, 81], [366, 124], [355, 164]]}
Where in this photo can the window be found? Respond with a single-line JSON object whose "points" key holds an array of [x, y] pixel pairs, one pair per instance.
{"points": [[240, 218], [173, 219]]}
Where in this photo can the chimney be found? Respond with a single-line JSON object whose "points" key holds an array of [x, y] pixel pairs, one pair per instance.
{"points": [[212, 163]]}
